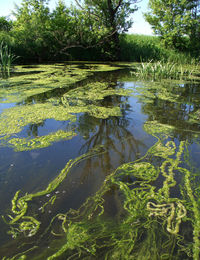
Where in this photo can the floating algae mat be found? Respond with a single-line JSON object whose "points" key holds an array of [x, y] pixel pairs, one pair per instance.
{"points": [[104, 167]]}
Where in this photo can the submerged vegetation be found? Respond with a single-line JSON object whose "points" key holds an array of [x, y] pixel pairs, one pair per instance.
{"points": [[143, 211], [146, 208], [85, 99], [95, 167]]}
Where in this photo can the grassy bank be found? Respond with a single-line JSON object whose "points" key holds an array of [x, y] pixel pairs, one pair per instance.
{"points": [[144, 48]]}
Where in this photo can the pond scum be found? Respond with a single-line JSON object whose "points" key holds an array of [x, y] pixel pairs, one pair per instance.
{"points": [[75, 101], [149, 222]]}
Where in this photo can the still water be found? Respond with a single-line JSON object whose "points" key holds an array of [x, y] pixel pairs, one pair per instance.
{"points": [[96, 164]]}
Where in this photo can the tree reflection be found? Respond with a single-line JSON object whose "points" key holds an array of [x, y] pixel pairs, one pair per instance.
{"points": [[114, 133], [34, 128], [173, 105]]}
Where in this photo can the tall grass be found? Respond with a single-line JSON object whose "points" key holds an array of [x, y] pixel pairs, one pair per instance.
{"points": [[6, 59], [162, 70], [144, 48]]}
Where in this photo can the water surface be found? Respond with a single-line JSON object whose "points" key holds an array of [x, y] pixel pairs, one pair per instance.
{"points": [[132, 191]]}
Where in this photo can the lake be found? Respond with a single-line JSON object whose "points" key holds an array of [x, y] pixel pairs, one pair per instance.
{"points": [[98, 164]]}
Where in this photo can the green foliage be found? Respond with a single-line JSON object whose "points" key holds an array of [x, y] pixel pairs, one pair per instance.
{"points": [[30, 29], [113, 15], [5, 24], [162, 70], [174, 21], [144, 48], [6, 59], [87, 31]]}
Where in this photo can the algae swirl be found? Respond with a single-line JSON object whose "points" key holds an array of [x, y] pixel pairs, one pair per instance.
{"points": [[147, 215]]}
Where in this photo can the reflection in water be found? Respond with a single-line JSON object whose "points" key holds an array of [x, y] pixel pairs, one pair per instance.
{"points": [[97, 211], [172, 104]]}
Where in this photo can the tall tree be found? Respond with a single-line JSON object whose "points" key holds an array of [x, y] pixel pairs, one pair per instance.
{"points": [[30, 28], [114, 16], [194, 27], [5, 24], [71, 28], [173, 20]]}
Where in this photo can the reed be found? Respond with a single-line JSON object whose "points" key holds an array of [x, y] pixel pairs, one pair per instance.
{"points": [[6, 59], [162, 70]]}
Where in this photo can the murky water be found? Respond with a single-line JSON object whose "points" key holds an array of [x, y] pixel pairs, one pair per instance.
{"points": [[101, 122]]}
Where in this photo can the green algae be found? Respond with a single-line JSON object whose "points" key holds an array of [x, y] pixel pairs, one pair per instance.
{"points": [[165, 90], [32, 80], [149, 220], [15, 118], [195, 117], [26, 144], [84, 99], [144, 210], [96, 91], [155, 128], [29, 225]]}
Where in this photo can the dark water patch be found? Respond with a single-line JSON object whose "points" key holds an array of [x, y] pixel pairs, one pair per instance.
{"points": [[16, 73]]}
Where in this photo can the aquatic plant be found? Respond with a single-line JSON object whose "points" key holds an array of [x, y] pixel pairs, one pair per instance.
{"points": [[161, 70], [15, 118], [27, 144], [84, 99], [6, 59], [149, 218], [29, 225], [96, 91], [34, 80], [195, 117], [147, 224]]}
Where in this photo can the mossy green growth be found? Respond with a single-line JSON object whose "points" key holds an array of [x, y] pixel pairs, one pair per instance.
{"points": [[96, 91], [26, 144], [144, 211], [150, 92], [195, 117], [37, 79], [155, 128], [15, 118], [84, 99], [20, 222]]}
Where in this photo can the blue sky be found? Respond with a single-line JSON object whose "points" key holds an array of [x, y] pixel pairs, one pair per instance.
{"points": [[140, 26]]}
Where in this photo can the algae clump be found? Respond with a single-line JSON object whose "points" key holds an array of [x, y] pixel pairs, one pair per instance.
{"points": [[144, 210], [26, 144]]}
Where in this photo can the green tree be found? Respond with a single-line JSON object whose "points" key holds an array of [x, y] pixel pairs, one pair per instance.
{"points": [[5, 24], [194, 27], [71, 28], [174, 20], [30, 29], [112, 15]]}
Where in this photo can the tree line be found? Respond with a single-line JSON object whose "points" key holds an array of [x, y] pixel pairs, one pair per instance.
{"points": [[91, 29], [177, 22]]}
